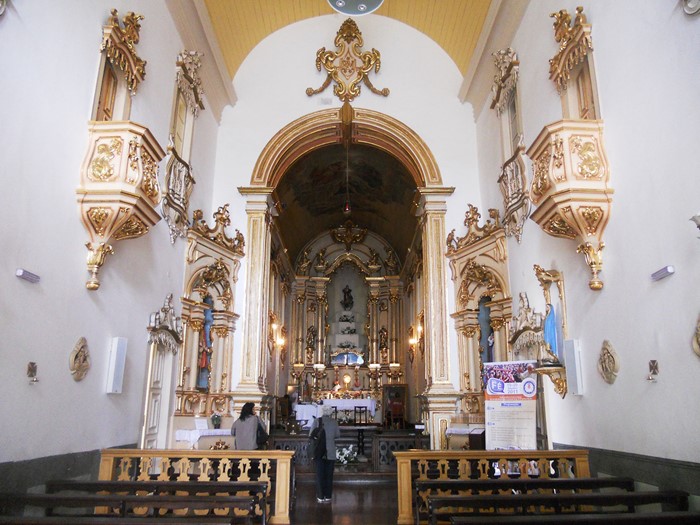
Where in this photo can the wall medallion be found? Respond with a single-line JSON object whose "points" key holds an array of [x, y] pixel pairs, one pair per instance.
{"points": [[79, 360], [608, 363]]}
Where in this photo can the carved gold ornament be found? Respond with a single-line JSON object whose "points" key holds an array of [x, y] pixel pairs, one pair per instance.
{"points": [[101, 168], [188, 81], [574, 43], [608, 363], [97, 254], [118, 187], [132, 228], [348, 67], [505, 81], [120, 45], [594, 259], [696, 338], [575, 202], [217, 233], [349, 234], [79, 360]]}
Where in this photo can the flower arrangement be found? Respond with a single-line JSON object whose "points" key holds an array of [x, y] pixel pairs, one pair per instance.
{"points": [[216, 419], [344, 417], [348, 330], [347, 454], [346, 318], [347, 344]]}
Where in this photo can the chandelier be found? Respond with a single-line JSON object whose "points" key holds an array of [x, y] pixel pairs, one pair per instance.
{"points": [[355, 7]]}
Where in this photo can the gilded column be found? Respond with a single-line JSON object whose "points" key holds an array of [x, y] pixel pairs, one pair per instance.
{"points": [[257, 293], [499, 339], [193, 346], [440, 395], [473, 370]]}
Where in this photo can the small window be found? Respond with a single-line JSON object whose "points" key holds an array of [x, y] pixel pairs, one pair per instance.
{"points": [[579, 99], [179, 123], [107, 94], [584, 91]]}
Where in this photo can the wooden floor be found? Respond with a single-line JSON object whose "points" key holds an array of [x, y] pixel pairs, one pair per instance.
{"points": [[356, 501]]}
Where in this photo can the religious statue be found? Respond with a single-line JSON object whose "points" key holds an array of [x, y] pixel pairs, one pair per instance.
{"points": [[383, 338], [347, 301], [391, 262], [550, 337], [311, 337], [205, 347]]}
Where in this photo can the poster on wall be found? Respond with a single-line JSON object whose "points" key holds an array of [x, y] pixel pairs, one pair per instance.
{"points": [[510, 395]]}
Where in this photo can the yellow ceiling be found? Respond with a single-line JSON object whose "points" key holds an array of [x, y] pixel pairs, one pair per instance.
{"points": [[455, 25]]}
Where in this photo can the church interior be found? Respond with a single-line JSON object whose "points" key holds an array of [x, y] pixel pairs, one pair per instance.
{"points": [[360, 204]]}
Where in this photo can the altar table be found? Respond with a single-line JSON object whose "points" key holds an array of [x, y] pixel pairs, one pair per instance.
{"points": [[350, 404]]}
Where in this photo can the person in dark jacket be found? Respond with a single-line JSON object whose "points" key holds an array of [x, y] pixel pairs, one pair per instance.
{"points": [[326, 464]]}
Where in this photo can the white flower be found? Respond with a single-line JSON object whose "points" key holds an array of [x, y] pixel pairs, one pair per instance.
{"points": [[347, 454]]}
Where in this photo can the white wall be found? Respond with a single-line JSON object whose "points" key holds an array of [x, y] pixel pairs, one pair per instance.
{"points": [[648, 82], [271, 84], [49, 70]]}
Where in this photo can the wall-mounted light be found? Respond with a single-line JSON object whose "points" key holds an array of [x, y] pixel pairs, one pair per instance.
{"points": [[27, 276], [663, 273], [355, 7]]}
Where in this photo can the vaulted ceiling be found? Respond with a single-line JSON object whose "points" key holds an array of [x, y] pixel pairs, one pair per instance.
{"points": [[239, 25]]}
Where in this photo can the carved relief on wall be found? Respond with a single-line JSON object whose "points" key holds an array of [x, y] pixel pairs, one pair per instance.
{"points": [[608, 363], [79, 360], [217, 233], [348, 67], [696, 338]]}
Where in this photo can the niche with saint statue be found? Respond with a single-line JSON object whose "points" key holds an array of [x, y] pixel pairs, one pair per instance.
{"points": [[347, 316]]}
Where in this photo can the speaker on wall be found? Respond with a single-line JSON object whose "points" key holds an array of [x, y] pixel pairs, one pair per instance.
{"points": [[117, 360], [572, 362]]}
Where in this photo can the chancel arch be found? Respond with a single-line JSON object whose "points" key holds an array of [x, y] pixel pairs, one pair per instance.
{"points": [[295, 211]]}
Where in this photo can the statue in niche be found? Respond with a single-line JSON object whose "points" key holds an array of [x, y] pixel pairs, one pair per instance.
{"points": [[383, 338], [391, 262], [347, 302], [321, 263], [550, 334], [304, 263], [205, 347], [311, 337]]}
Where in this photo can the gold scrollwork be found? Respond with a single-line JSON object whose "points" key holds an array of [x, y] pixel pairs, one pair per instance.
{"points": [[540, 182], [98, 218], [470, 331], [558, 227], [196, 324], [348, 67], [149, 185], [133, 227], [101, 168], [133, 159], [120, 46], [590, 166], [591, 216], [97, 253]]}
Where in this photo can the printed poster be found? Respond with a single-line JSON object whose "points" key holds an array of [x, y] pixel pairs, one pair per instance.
{"points": [[510, 395]]}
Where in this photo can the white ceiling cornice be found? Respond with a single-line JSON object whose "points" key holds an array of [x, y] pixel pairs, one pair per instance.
{"points": [[501, 23], [194, 26]]}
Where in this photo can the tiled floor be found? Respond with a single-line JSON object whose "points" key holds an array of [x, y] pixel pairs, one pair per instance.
{"points": [[355, 502]]}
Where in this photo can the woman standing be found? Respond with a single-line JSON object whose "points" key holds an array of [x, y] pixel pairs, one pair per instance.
{"points": [[245, 428], [326, 463]]}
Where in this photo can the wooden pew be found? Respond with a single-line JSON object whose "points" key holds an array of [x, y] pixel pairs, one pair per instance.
{"points": [[558, 503], [612, 518], [256, 489], [128, 506], [425, 488], [414, 465]]}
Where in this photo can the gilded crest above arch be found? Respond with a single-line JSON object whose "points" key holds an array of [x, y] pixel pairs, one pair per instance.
{"points": [[325, 127]]}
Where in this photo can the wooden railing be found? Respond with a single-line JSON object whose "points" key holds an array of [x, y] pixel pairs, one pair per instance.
{"points": [[414, 465], [273, 466]]}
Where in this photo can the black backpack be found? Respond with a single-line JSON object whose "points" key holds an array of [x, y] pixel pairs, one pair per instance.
{"points": [[318, 447]]}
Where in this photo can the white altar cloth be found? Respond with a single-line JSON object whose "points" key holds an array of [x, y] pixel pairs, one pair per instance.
{"points": [[350, 404], [307, 413], [193, 435]]}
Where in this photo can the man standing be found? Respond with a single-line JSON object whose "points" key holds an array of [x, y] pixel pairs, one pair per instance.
{"points": [[324, 429]]}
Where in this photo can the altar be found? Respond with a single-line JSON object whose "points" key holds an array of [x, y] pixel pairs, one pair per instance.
{"points": [[193, 437], [308, 413]]}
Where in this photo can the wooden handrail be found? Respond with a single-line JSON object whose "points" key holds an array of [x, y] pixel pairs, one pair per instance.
{"points": [[205, 465], [475, 464]]}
